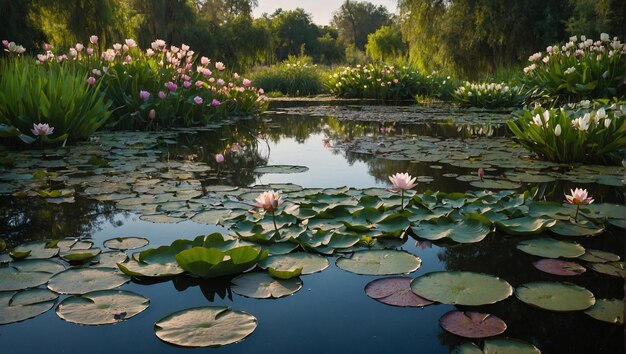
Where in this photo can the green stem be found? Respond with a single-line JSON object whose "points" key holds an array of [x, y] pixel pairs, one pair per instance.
{"points": [[576, 215], [274, 220], [402, 199]]}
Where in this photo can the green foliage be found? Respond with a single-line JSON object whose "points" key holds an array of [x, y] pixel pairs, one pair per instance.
{"points": [[355, 20], [296, 76], [375, 81], [56, 94], [576, 134], [385, 44], [488, 95], [578, 70], [209, 262]]}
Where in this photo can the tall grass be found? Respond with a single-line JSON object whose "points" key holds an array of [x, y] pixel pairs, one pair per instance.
{"points": [[296, 76]]}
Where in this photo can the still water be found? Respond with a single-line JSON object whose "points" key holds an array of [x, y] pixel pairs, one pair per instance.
{"points": [[331, 313]]}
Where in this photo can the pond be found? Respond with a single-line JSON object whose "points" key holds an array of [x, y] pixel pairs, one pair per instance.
{"points": [[164, 186]]}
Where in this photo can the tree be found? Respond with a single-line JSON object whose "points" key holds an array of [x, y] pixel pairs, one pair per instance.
{"points": [[592, 17], [355, 20], [385, 44], [330, 49], [294, 33]]}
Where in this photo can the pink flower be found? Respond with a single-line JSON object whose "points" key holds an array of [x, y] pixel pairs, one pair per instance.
{"points": [[42, 57], [174, 49], [215, 103], [402, 182], [199, 83], [73, 52], [235, 147], [152, 114], [220, 66], [261, 91], [162, 95], [205, 61], [171, 86], [246, 82], [117, 47], [231, 85], [198, 100], [90, 51], [93, 39], [236, 76], [184, 47], [91, 81], [578, 196], [144, 95], [481, 173], [130, 43], [268, 201], [5, 43], [220, 82], [395, 81], [79, 47], [42, 129], [219, 158], [186, 84], [149, 52], [47, 46], [96, 72]]}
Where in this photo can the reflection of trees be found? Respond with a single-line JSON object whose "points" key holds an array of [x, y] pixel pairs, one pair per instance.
{"points": [[551, 332], [28, 219]]}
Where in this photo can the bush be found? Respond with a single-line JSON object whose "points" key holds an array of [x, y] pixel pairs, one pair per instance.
{"points": [[375, 81], [488, 95], [296, 76], [58, 95], [578, 70], [575, 133]]}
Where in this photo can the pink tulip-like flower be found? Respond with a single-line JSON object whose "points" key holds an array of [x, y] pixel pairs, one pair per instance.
{"points": [[268, 201], [42, 129], [42, 58], [171, 86], [220, 66], [93, 39], [162, 95], [47, 46], [198, 100], [261, 91], [117, 47], [578, 197], [73, 53], [5, 43], [215, 103], [481, 173], [220, 82], [149, 52], [205, 61], [246, 82], [130, 43], [402, 182], [219, 158], [91, 81], [79, 47], [231, 85], [96, 72], [184, 47], [186, 84], [236, 76], [199, 83], [144, 95], [152, 114], [90, 51]]}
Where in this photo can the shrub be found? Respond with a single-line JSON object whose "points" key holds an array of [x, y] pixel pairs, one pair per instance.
{"points": [[58, 95], [575, 133], [375, 81], [488, 95], [296, 76], [578, 70]]}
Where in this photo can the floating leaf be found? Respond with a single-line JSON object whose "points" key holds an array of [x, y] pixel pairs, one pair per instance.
{"points": [[559, 267], [464, 231], [109, 259], [211, 262], [205, 327], [380, 262], [608, 310], [262, 286], [461, 288], [495, 184], [126, 243], [525, 225], [615, 269], [153, 270], [597, 256], [13, 279], [101, 307], [551, 248], [496, 346], [310, 263], [566, 228], [84, 280], [38, 265], [80, 255], [284, 274], [281, 169], [555, 296], [472, 324], [395, 291], [212, 217], [20, 306], [37, 249]]}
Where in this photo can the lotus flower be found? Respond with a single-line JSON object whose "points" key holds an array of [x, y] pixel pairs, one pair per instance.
{"points": [[42, 129], [402, 182], [578, 197], [269, 201]]}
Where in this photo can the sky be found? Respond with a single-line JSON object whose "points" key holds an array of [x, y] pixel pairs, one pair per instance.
{"points": [[321, 10]]}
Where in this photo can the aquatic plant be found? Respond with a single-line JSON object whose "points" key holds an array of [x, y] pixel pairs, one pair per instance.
{"points": [[578, 197], [488, 95], [402, 182], [375, 81], [269, 201]]}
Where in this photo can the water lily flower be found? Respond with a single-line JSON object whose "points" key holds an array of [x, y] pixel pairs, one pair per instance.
{"points": [[402, 182], [215, 103], [93, 39], [578, 197], [42, 129], [198, 100], [219, 158], [144, 95], [220, 66], [269, 201], [91, 81]]}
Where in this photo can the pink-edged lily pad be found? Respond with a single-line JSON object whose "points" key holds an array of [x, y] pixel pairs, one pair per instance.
{"points": [[470, 324], [559, 267], [395, 291]]}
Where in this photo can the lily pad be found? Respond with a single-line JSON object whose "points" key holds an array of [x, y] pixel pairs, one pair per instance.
{"points": [[395, 291], [212, 217], [597, 256], [380, 262], [551, 248], [566, 228], [608, 310], [470, 324], [465, 231], [102, 307], [559, 267], [109, 259], [38, 265], [310, 263], [461, 288], [205, 327], [525, 225], [37, 249], [20, 306], [211, 262], [126, 243], [260, 285], [153, 270], [495, 184], [281, 169], [80, 255], [496, 346], [84, 280], [555, 296], [13, 279], [615, 269]]}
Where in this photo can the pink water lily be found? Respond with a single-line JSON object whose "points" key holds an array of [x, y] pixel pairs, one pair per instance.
{"points": [[578, 197], [42, 129], [402, 182], [269, 201]]}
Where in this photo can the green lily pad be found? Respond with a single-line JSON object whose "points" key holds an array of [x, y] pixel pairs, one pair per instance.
{"points": [[80, 255], [310, 263], [205, 327], [395, 291], [262, 286], [38, 265], [497, 345], [551, 248], [152, 270], [380, 262], [525, 225], [284, 274], [212, 217], [495, 184], [84, 280], [101, 307], [464, 231], [126, 243], [108, 259], [20, 306], [608, 310], [13, 279], [37, 249], [566, 228], [281, 169], [461, 288], [615, 269], [211, 262], [597, 256], [555, 296]]}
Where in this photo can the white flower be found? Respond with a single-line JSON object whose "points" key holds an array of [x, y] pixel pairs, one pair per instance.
{"points": [[537, 120], [557, 130], [604, 37], [607, 123], [546, 116]]}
